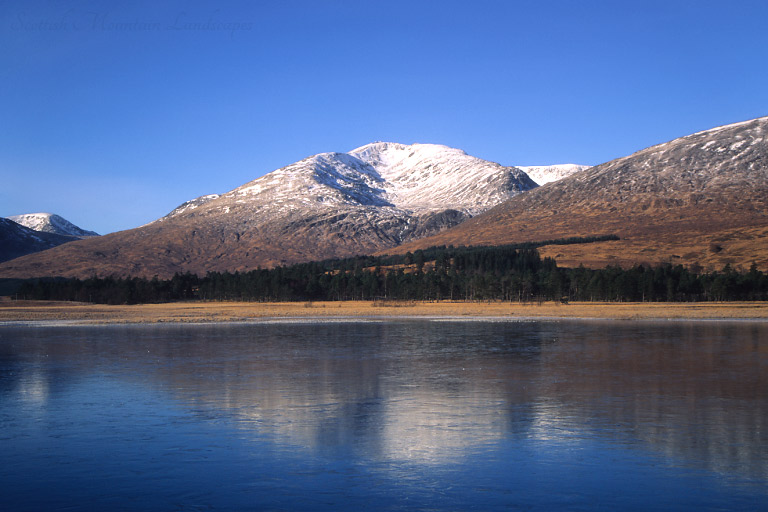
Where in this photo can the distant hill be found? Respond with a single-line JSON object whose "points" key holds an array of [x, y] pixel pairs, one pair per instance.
{"points": [[17, 240], [697, 200], [51, 223]]}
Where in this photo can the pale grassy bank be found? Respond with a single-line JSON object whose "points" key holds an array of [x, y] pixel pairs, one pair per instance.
{"points": [[29, 311]]}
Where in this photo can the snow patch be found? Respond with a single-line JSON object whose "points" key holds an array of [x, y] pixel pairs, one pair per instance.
{"points": [[543, 174], [737, 145], [386, 182], [724, 127]]}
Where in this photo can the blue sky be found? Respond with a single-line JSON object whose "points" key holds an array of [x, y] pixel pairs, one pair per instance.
{"points": [[115, 113]]}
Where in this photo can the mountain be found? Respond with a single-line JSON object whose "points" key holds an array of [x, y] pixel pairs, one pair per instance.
{"points": [[51, 223], [17, 240], [328, 205], [697, 200], [543, 174], [415, 179]]}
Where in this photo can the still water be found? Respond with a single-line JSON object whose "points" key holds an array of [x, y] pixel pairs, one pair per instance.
{"points": [[393, 415]]}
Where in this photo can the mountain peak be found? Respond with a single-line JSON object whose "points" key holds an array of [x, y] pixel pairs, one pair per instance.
{"points": [[377, 147], [422, 177], [51, 223], [19, 240], [324, 206], [543, 174], [414, 178], [388, 154]]}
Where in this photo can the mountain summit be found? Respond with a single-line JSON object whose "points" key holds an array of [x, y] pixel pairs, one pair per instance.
{"points": [[17, 240], [51, 223], [328, 205], [413, 179], [34, 232]]}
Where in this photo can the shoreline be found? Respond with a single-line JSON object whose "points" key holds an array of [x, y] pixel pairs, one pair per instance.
{"points": [[50, 313]]}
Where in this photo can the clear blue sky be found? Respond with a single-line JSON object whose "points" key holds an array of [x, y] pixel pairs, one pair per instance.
{"points": [[114, 114]]}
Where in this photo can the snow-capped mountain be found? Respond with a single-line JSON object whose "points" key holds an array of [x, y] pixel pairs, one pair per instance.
{"points": [[428, 177], [17, 240], [700, 199], [328, 205], [401, 179], [51, 223], [543, 174]]}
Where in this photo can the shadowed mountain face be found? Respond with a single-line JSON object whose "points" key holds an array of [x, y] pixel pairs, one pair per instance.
{"points": [[328, 205], [51, 223], [697, 200], [17, 240]]}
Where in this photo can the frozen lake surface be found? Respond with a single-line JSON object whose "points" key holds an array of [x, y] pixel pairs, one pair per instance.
{"points": [[386, 415]]}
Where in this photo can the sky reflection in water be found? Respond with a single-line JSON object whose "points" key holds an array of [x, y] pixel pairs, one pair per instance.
{"points": [[386, 415]]}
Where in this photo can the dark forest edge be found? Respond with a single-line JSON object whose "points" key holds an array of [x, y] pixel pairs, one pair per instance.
{"points": [[506, 273]]}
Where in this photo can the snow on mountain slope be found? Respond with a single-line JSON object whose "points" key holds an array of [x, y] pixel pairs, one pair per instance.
{"points": [[18, 240], [432, 177], [396, 179], [320, 180], [51, 223], [543, 174], [329, 205], [192, 204]]}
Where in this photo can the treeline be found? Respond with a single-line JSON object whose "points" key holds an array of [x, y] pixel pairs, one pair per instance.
{"points": [[509, 273]]}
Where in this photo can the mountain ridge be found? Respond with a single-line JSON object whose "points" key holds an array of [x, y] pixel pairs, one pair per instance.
{"points": [[326, 205], [17, 240], [51, 223], [700, 199]]}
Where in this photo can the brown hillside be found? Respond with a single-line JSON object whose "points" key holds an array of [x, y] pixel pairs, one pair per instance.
{"points": [[186, 245], [697, 200]]}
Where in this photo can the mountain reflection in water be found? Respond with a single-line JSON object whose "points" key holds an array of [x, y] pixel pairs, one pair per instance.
{"points": [[428, 393]]}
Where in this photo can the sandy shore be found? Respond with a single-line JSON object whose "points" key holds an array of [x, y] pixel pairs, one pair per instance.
{"points": [[30, 311]]}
